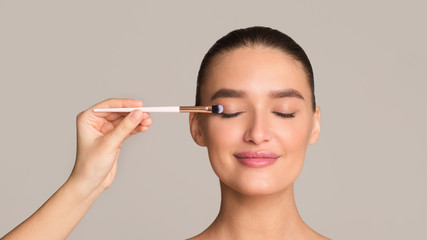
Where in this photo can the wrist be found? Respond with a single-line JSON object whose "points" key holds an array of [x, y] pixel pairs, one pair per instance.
{"points": [[82, 189]]}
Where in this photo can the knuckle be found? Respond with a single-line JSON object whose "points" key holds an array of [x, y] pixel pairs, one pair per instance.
{"points": [[127, 124], [79, 116]]}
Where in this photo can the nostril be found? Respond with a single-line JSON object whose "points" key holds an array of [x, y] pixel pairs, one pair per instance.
{"points": [[257, 134]]}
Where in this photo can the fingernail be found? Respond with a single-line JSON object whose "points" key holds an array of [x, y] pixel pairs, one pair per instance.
{"points": [[136, 116]]}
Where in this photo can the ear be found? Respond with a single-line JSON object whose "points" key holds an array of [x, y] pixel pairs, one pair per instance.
{"points": [[196, 130], [315, 132]]}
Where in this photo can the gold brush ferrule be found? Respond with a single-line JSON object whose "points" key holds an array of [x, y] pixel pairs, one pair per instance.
{"points": [[199, 109]]}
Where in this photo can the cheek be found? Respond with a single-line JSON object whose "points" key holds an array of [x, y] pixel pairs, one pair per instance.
{"points": [[293, 134], [293, 138], [221, 138], [219, 132]]}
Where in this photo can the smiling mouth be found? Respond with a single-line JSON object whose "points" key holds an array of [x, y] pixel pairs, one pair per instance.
{"points": [[257, 159]]}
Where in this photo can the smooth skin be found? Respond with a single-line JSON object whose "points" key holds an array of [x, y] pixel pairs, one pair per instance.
{"points": [[99, 139], [257, 203]]}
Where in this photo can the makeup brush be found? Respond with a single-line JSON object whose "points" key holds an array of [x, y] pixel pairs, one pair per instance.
{"points": [[200, 109]]}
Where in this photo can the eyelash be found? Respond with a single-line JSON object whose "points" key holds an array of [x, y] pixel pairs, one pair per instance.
{"points": [[283, 115], [230, 115]]}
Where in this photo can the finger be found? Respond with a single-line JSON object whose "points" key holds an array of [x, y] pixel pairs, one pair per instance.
{"points": [[109, 126], [116, 115], [116, 122], [106, 128], [124, 128], [137, 130], [142, 128], [146, 122], [134, 131]]}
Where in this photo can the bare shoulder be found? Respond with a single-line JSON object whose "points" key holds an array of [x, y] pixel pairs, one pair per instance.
{"points": [[205, 235], [198, 237], [319, 236], [310, 235], [323, 238]]}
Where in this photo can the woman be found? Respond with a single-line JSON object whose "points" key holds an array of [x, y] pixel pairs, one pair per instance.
{"points": [[256, 147]]}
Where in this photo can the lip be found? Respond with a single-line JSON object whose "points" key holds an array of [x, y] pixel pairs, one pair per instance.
{"points": [[257, 159]]}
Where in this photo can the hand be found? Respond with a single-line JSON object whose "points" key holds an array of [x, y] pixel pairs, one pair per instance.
{"points": [[99, 139]]}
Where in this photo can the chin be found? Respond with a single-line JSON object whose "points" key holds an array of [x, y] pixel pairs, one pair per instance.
{"points": [[257, 185]]}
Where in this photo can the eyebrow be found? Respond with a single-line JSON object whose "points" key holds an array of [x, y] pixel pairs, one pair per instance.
{"points": [[228, 93], [231, 93], [286, 93]]}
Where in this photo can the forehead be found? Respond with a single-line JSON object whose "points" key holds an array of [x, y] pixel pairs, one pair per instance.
{"points": [[256, 71]]}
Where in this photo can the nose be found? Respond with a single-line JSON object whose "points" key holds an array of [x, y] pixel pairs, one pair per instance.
{"points": [[258, 130]]}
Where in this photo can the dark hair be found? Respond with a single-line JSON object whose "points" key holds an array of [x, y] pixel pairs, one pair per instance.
{"points": [[252, 37]]}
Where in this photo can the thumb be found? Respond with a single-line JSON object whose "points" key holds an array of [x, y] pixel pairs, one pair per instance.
{"points": [[129, 123]]}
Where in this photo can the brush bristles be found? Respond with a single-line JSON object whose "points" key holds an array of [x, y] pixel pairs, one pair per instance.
{"points": [[217, 109]]}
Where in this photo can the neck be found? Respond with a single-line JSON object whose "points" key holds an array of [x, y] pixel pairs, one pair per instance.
{"points": [[272, 216]]}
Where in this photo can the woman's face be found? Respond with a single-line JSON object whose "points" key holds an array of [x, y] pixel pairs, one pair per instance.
{"points": [[258, 146]]}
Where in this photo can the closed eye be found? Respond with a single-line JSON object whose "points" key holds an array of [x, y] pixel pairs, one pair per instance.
{"points": [[230, 115], [285, 115]]}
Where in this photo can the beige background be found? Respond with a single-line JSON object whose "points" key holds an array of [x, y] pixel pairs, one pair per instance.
{"points": [[365, 178]]}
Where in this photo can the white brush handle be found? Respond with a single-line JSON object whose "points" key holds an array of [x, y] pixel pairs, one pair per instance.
{"points": [[143, 109]]}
